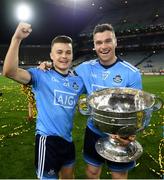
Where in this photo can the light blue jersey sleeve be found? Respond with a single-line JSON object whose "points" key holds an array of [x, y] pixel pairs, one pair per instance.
{"points": [[34, 76], [135, 80]]}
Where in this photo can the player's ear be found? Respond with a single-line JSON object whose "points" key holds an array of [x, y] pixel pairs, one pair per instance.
{"points": [[114, 40], [51, 56]]}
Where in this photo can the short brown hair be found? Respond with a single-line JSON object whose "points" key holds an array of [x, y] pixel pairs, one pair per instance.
{"points": [[102, 28], [61, 39]]}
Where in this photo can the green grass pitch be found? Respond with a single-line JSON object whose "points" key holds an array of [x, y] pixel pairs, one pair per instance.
{"points": [[17, 136]]}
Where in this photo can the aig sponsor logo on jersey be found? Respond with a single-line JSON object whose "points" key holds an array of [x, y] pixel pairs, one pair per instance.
{"points": [[117, 79], [65, 99]]}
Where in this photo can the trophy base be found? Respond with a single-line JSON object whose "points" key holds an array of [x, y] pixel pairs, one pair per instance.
{"points": [[111, 150]]}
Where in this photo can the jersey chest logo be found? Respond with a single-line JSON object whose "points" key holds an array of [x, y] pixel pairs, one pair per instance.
{"points": [[75, 86], [64, 99], [105, 75], [54, 79], [117, 79]]}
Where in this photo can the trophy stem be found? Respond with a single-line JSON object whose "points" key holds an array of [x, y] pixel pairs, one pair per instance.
{"points": [[111, 150]]}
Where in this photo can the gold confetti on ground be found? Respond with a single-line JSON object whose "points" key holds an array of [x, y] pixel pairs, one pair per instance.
{"points": [[27, 90]]}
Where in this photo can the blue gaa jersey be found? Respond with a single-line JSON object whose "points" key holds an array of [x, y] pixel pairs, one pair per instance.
{"points": [[56, 98], [96, 76]]}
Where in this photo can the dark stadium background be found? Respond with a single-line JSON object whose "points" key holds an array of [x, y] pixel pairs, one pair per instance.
{"points": [[139, 26]]}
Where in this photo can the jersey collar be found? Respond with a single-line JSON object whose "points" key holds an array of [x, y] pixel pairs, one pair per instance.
{"points": [[64, 75], [109, 66]]}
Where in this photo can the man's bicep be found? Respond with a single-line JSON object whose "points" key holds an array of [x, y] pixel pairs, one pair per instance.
{"points": [[22, 76]]}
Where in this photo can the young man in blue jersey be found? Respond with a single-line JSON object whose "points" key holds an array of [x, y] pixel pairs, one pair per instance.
{"points": [[56, 93], [106, 71]]}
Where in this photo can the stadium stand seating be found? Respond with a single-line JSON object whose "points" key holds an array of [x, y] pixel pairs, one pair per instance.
{"points": [[140, 37]]}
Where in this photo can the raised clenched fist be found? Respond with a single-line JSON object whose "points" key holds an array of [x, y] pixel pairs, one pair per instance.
{"points": [[23, 30]]}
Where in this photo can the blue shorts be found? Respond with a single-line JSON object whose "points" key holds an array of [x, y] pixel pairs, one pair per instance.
{"points": [[93, 158], [51, 154]]}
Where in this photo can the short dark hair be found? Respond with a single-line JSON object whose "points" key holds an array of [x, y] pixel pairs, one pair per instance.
{"points": [[103, 27], [61, 39]]}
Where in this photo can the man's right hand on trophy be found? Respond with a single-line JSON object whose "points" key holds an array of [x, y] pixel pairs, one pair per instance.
{"points": [[23, 30], [123, 141]]}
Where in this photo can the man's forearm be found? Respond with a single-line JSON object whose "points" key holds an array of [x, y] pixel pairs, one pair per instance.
{"points": [[11, 62]]}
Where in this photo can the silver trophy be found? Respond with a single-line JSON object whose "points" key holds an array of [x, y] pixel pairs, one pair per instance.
{"points": [[121, 111]]}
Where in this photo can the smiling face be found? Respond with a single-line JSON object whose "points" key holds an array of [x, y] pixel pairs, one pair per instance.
{"points": [[105, 44], [61, 55]]}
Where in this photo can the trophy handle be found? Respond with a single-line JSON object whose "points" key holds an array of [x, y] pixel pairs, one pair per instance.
{"points": [[83, 106], [158, 104], [148, 113]]}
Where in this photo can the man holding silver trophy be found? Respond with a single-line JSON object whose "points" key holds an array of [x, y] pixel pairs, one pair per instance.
{"points": [[117, 106], [106, 72]]}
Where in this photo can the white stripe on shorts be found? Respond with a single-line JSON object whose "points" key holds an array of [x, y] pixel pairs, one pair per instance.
{"points": [[41, 155]]}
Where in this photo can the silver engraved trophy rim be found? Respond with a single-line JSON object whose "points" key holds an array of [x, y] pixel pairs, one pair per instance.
{"points": [[123, 89]]}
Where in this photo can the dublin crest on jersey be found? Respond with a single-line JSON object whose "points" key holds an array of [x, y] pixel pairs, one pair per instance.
{"points": [[75, 86], [117, 79]]}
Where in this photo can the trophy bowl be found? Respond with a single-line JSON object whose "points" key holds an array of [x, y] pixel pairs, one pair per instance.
{"points": [[121, 111]]}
